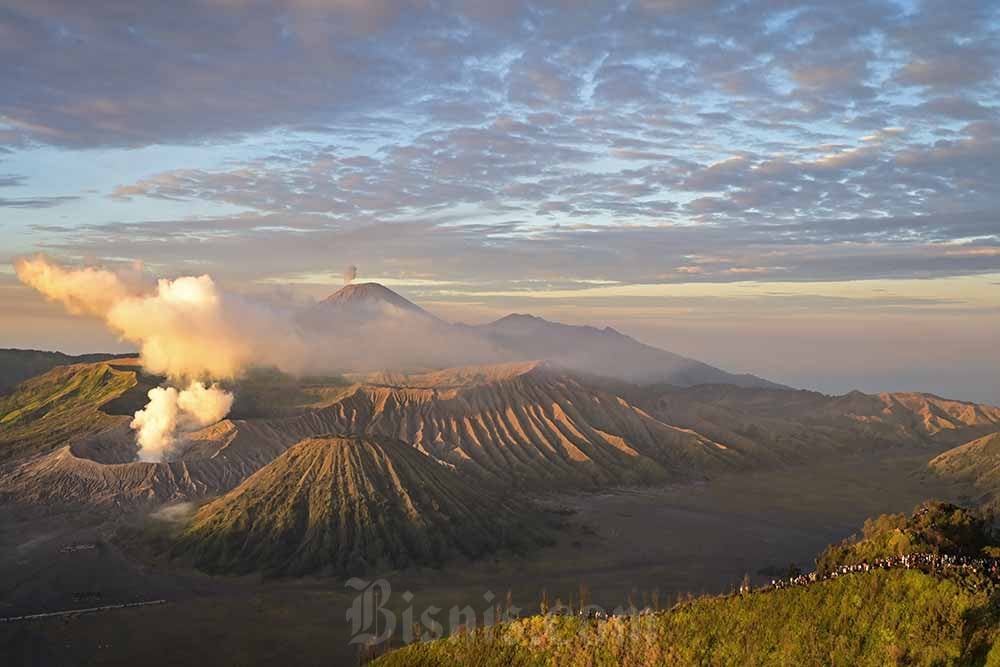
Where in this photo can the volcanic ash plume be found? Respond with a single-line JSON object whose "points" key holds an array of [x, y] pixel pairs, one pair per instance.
{"points": [[171, 413], [186, 329], [88, 291], [350, 273]]}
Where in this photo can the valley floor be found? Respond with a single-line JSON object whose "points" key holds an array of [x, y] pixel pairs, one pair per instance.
{"points": [[693, 538]]}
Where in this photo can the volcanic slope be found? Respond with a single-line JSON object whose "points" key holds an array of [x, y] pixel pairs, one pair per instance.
{"points": [[349, 505], [527, 425], [16, 366], [369, 327], [385, 330], [523, 424], [64, 405], [605, 352], [366, 297], [786, 426], [531, 426], [976, 463]]}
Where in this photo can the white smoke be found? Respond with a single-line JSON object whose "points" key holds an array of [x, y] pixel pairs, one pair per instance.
{"points": [[350, 273], [171, 413], [190, 330], [186, 329]]}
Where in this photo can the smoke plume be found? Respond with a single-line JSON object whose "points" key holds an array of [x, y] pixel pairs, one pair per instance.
{"points": [[350, 273], [192, 331], [171, 413], [186, 329]]}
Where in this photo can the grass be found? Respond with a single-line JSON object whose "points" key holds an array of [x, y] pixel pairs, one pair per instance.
{"points": [[896, 617], [17, 366], [882, 617], [56, 408]]}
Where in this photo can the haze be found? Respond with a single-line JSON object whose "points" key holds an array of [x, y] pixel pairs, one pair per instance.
{"points": [[807, 193]]}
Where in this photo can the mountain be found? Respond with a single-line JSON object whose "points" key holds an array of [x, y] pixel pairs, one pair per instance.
{"points": [[368, 327], [340, 505], [523, 425], [529, 425], [365, 298], [976, 463], [795, 425], [378, 330], [866, 617], [65, 405], [604, 352], [19, 365]]}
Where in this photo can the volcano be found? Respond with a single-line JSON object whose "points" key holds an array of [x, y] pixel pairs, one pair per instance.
{"points": [[347, 505], [391, 332], [356, 304], [366, 295], [605, 352]]}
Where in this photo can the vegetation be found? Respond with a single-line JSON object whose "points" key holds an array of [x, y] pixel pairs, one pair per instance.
{"points": [[877, 617], [350, 505], [934, 528], [896, 617], [975, 464], [59, 407], [16, 366]]}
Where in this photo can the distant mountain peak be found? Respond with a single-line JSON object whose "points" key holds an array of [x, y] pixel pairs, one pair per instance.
{"points": [[516, 318], [367, 293]]}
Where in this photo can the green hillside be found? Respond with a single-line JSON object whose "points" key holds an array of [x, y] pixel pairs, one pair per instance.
{"points": [[977, 464], [942, 608], [933, 528], [16, 366], [59, 407], [896, 617]]}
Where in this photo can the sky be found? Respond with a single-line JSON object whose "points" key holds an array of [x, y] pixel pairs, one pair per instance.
{"points": [[803, 190]]}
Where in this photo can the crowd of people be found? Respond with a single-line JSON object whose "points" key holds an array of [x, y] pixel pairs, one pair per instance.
{"points": [[943, 564], [936, 563]]}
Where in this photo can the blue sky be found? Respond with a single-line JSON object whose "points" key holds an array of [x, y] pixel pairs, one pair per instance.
{"points": [[486, 157]]}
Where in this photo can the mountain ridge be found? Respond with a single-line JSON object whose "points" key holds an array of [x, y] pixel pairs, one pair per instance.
{"points": [[530, 425], [364, 307]]}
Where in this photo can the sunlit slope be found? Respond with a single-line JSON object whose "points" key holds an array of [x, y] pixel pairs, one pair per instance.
{"points": [[16, 366], [788, 426], [856, 617], [976, 463], [60, 407], [934, 527], [895, 617], [349, 505], [523, 424]]}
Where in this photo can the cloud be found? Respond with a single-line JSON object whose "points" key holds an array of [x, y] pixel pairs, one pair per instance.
{"points": [[238, 67], [949, 71], [464, 131], [35, 202]]}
